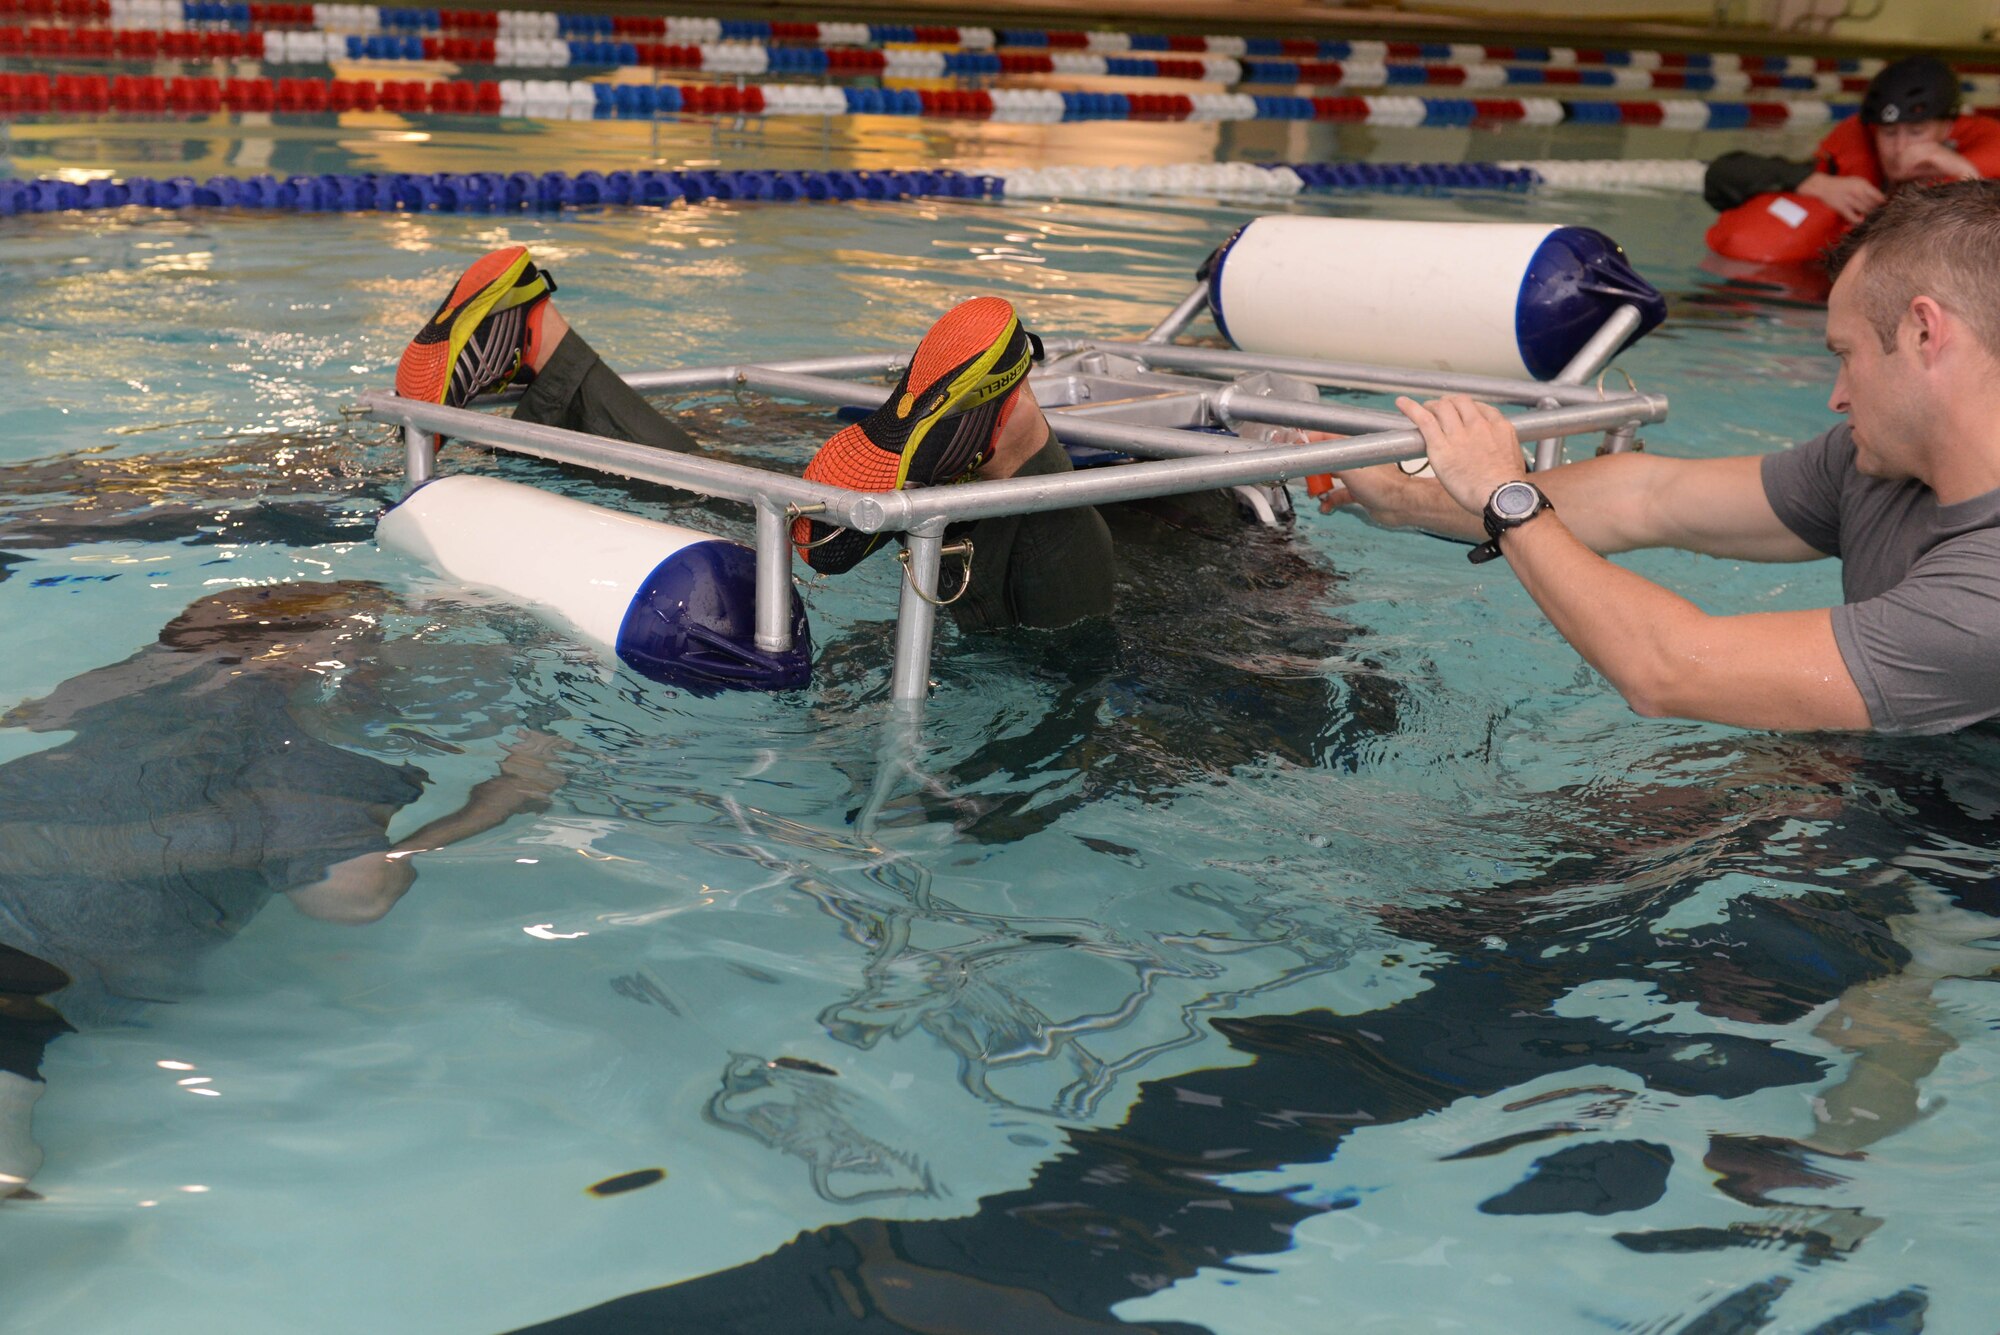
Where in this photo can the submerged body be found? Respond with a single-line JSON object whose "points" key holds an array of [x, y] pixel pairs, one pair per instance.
{"points": [[167, 821], [189, 795]]}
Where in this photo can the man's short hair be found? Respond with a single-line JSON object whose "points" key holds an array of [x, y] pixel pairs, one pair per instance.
{"points": [[1937, 241]]}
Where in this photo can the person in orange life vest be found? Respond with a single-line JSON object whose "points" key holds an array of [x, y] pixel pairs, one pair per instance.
{"points": [[1909, 130]]}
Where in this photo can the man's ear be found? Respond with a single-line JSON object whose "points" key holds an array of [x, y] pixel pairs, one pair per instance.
{"points": [[1931, 326]]}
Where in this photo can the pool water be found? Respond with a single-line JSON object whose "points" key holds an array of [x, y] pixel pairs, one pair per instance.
{"points": [[1320, 946]]}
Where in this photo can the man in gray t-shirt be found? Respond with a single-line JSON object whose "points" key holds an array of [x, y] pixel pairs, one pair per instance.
{"points": [[1906, 494], [1920, 626]]}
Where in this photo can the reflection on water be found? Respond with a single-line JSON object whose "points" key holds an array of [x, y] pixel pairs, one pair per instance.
{"points": [[1626, 890], [266, 490], [804, 1114], [1315, 917]]}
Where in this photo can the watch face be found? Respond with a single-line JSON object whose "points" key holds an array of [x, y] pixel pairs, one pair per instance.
{"points": [[1515, 500]]}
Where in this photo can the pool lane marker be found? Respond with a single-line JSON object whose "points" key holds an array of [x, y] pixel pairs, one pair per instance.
{"points": [[524, 192], [750, 59], [541, 25], [39, 94]]}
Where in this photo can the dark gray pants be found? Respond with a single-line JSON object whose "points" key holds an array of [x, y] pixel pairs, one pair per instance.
{"points": [[1041, 570]]}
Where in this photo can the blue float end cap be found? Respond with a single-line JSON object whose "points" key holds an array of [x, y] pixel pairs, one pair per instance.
{"points": [[693, 624], [1577, 278], [1211, 273]]}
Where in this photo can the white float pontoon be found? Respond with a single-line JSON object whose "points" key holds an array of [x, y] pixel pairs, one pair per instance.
{"points": [[1466, 299]]}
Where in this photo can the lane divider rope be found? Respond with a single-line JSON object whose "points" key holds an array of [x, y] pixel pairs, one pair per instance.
{"points": [[542, 24], [556, 99], [754, 59], [492, 192]]}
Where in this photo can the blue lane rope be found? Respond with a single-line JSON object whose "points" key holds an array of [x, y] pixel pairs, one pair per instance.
{"points": [[492, 192]]}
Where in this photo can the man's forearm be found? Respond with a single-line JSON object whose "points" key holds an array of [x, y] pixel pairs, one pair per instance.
{"points": [[1668, 658], [1623, 624], [1428, 509], [490, 804], [1591, 494], [526, 779]]}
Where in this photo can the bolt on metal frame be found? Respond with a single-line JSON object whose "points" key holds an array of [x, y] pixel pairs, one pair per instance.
{"points": [[1159, 402]]}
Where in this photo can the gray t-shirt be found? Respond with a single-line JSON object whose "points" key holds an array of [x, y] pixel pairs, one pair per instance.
{"points": [[1920, 631]]}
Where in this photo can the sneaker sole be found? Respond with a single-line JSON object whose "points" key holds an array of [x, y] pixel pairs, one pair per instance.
{"points": [[956, 369], [969, 352], [425, 370]]}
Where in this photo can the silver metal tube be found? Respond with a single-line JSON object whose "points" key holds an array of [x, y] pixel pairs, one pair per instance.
{"points": [[1592, 357], [1167, 443], [896, 759], [1176, 411], [1127, 438], [774, 579], [717, 377], [1239, 407], [1548, 452], [711, 477], [1353, 375], [850, 364], [880, 511], [1619, 440], [916, 617], [1091, 424], [419, 455], [1350, 374], [1180, 317], [873, 512], [812, 388], [1141, 442], [1596, 354]]}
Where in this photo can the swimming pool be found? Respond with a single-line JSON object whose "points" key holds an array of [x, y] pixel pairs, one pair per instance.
{"points": [[1322, 946]]}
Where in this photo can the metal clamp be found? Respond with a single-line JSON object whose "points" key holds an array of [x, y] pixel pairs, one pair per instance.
{"points": [[1620, 439], [803, 511], [352, 413], [1631, 386], [963, 547]]}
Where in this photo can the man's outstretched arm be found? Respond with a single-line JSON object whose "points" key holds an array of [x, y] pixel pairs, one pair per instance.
{"points": [[1613, 503], [362, 889], [1668, 658], [1664, 655]]}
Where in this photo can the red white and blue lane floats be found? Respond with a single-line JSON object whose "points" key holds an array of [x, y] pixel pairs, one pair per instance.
{"points": [[1794, 229]]}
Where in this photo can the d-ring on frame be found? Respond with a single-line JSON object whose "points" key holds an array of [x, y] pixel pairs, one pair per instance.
{"points": [[1152, 399]]}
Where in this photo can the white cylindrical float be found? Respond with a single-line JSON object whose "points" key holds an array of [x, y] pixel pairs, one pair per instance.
{"points": [[674, 604], [1507, 299]]}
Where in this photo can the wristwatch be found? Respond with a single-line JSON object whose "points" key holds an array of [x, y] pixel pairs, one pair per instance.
{"points": [[1511, 505]]}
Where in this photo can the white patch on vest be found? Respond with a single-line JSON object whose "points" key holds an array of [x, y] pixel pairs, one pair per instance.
{"points": [[1789, 212]]}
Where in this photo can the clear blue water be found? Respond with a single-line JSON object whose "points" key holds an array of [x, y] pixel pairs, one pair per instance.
{"points": [[1321, 947]]}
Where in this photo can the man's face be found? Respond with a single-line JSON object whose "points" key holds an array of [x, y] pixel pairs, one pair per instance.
{"points": [[1874, 388], [1902, 149]]}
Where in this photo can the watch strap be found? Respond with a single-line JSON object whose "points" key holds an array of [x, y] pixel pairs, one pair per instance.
{"points": [[1495, 525]]}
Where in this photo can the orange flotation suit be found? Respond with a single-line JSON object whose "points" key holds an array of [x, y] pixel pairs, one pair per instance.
{"points": [[1792, 228]]}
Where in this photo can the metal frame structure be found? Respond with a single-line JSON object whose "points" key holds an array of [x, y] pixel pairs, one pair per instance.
{"points": [[1171, 407]]}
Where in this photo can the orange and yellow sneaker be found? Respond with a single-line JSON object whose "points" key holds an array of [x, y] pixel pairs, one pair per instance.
{"points": [[477, 341], [937, 426]]}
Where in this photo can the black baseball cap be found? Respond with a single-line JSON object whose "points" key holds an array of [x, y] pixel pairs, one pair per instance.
{"points": [[1915, 88]]}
